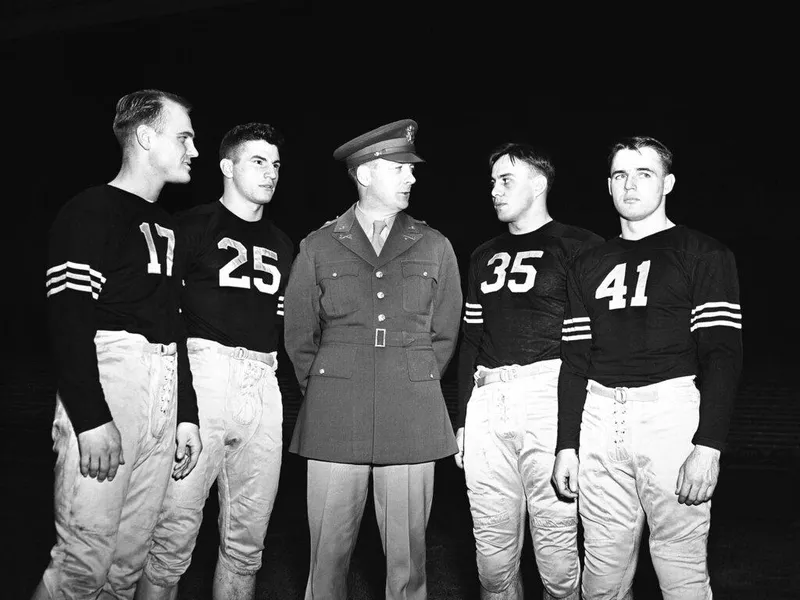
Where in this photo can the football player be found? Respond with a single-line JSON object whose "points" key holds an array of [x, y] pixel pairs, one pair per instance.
{"points": [[509, 363], [237, 263], [120, 354], [652, 353]]}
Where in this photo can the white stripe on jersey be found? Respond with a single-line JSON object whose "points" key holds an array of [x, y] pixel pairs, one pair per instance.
{"points": [[72, 286], [576, 320], [584, 326], [473, 313], [279, 312], [71, 271], [705, 315]]}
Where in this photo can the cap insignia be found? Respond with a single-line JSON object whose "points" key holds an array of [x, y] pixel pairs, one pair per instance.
{"points": [[410, 134]]}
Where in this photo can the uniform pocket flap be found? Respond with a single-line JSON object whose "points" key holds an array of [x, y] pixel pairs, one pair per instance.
{"points": [[422, 365], [335, 361], [421, 269], [337, 269]]}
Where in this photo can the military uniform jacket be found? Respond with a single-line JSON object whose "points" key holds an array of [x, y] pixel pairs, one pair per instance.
{"points": [[370, 337]]}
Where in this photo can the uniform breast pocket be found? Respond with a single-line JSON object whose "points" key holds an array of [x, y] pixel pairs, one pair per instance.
{"points": [[419, 286], [338, 282]]}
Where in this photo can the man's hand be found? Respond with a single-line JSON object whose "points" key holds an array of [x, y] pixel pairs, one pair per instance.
{"points": [[189, 446], [101, 452], [698, 475], [565, 473], [460, 454]]}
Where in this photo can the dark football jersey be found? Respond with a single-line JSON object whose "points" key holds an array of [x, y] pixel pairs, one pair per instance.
{"points": [[111, 267], [644, 311], [515, 300], [235, 277]]}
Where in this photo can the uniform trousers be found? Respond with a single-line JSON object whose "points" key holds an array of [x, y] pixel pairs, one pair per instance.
{"points": [[337, 495], [509, 452], [239, 404], [103, 529], [633, 442]]}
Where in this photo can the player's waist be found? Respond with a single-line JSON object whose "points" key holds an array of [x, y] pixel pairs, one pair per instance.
{"points": [[197, 345], [131, 343], [485, 376], [645, 393], [378, 337]]}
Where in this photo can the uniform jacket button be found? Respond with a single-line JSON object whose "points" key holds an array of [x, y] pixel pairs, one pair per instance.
{"points": [[381, 317], [379, 274], [321, 371], [380, 294]]}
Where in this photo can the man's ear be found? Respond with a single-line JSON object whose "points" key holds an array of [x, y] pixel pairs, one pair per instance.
{"points": [[539, 184], [144, 135], [226, 166], [364, 175], [669, 183]]}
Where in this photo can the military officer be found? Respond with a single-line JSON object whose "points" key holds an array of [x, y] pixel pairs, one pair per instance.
{"points": [[372, 313]]}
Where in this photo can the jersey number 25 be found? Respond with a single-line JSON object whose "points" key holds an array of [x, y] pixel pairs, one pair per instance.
{"points": [[227, 280], [504, 258]]}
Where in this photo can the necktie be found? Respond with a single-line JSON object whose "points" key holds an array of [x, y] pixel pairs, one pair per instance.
{"points": [[377, 240]]}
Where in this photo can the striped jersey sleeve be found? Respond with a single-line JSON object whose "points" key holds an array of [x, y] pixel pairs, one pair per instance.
{"points": [[576, 341], [471, 335], [716, 327], [74, 276], [74, 280]]}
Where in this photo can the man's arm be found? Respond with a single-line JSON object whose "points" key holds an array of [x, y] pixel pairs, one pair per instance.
{"points": [[301, 315], [446, 308], [471, 335], [716, 326], [188, 443], [74, 282], [576, 342]]}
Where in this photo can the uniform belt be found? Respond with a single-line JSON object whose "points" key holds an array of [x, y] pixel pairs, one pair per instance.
{"points": [[162, 349], [645, 393], [240, 353], [380, 338], [513, 372]]}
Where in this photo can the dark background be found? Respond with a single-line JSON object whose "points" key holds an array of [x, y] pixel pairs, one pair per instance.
{"points": [[65, 63], [64, 68]]}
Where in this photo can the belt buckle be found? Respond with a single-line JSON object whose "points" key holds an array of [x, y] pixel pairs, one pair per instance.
{"points": [[621, 395], [380, 338], [508, 374]]}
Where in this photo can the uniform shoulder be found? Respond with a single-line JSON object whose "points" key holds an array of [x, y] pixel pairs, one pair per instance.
{"points": [[94, 202], [201, 211], [594, 254], [423, 227], [579, 234], [486, 246], [196, 220], [281, 235], [697, 242]]}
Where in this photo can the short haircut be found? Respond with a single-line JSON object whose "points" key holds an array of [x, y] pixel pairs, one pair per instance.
{"points": [[144, 107], [526, 153], [248, 132], [639, 142]]}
